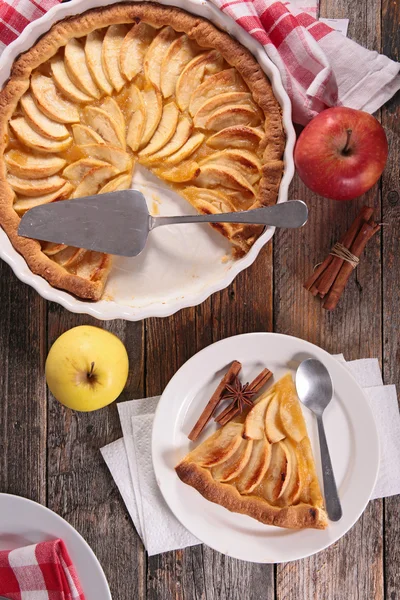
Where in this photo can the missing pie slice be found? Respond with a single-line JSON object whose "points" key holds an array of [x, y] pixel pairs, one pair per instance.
{"points": [[261, 464]]}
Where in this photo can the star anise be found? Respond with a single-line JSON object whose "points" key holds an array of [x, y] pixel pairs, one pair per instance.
{"points": [[241, 396]]}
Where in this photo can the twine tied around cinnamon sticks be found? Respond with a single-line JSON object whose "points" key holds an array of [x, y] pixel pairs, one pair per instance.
{"points": [[330, 278]]}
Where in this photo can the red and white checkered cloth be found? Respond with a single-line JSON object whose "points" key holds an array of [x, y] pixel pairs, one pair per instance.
{"points": [[40, 572], [319, 67]]}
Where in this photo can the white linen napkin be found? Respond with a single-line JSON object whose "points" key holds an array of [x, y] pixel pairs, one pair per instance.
{"points": [[130, 464]]}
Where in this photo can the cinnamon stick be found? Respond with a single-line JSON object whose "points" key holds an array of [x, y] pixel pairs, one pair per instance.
{"points": [[260, 380], [229, 413], [365, 234], [327, 279], [215, 399]]}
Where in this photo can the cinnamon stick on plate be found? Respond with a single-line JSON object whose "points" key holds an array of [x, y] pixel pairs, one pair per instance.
{"points": [[215, 399]]}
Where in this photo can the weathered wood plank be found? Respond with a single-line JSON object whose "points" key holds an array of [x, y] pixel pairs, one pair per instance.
{"points": [[353, 567], [391, 278], [23, 396], [80, 487]]}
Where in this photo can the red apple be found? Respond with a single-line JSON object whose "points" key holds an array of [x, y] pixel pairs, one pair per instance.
{"points": [[341, 153]]}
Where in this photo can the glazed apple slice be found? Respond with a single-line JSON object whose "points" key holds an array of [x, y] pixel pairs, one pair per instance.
{"points": [[30, 166], [179, 53], [232, 114], [207, 201], [216, 102], [105, 126], [24, 204], [219, 175], [65, 84], [111, 107], [256, 468], [238, 136], [138, 119], [35, 187], [118, 158], [291, 492], [77, 69], [194, 73], [219, 83], [183, 131], [93, 53], [122, 182], [50, 101], [193, 143], [155, 55], [35, 140], [85, 135], [278, 475], [110, 56], [232, 467], [94, 180], [51, 248], [186, 171], [254, 425], [290, 411], [273, 425], [133, 49], [69, 257], [165, 130], [77, 170], [220, 446], [243, 160], [39, 121], [153, 105]]}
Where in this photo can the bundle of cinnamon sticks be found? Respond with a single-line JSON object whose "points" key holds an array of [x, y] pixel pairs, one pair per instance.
{"points": [[330, 277]]}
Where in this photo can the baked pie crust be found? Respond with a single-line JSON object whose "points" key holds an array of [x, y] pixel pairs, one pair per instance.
{"points": [[135, 82], [261, 464]]}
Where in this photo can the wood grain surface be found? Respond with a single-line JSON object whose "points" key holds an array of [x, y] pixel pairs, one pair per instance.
{"points": [[52, 455]]}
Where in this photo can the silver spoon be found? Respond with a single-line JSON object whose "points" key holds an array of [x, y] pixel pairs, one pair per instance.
{"points": [[315, 390]]}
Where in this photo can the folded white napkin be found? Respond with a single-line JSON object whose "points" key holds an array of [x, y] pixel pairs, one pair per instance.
{"points": [[130, 464]]}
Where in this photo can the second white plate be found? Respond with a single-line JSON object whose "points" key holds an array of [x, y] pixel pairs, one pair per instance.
{"points": [[350, 429]]}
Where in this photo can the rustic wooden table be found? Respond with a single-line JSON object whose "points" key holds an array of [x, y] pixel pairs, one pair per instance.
{"points": [[52, 455]]}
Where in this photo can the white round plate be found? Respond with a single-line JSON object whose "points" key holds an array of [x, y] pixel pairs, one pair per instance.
{"points": [[350, 429], [24, 522], [180, 266]]}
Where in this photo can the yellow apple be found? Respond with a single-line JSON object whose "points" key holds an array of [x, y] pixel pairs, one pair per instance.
{"points": [[87, 368]]}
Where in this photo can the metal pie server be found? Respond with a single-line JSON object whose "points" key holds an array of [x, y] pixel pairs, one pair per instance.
{"points": [[119, 222]]}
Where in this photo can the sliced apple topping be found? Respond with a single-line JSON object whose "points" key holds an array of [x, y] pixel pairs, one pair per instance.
{"points": [[254, 425], [220, 446], [278, 475], [64, 83], [233, 114], [219, 175], [85, 135], [273, 424], [155, 55], [69, 257], [133, 49], [111, 47], [290, 410], [183, 130], [256, 467], [138, 118], [122, 182], [77, 68], [93, 52], [232, 467], [50, 102], [153, 104], [77, 170], [105, 126], [24, 204], [35, 187], [193, 74], [118, 158], [186, 171], [219, 83], [238, 136], [243, 160], [94, 180], [30, 166], [179, 53], [39, 121], [165, 130], [51, 248], [291, 492], [112, 108], [186, 150], [207, 201], [216, 102], [35, 140]]}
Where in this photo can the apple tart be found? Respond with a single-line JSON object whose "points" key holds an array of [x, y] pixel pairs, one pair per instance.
{"points": [[135, 82], [260, 464]]}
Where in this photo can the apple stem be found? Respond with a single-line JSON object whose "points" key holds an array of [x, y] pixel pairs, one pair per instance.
{"points": [[346, 147], [90, 374]]}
